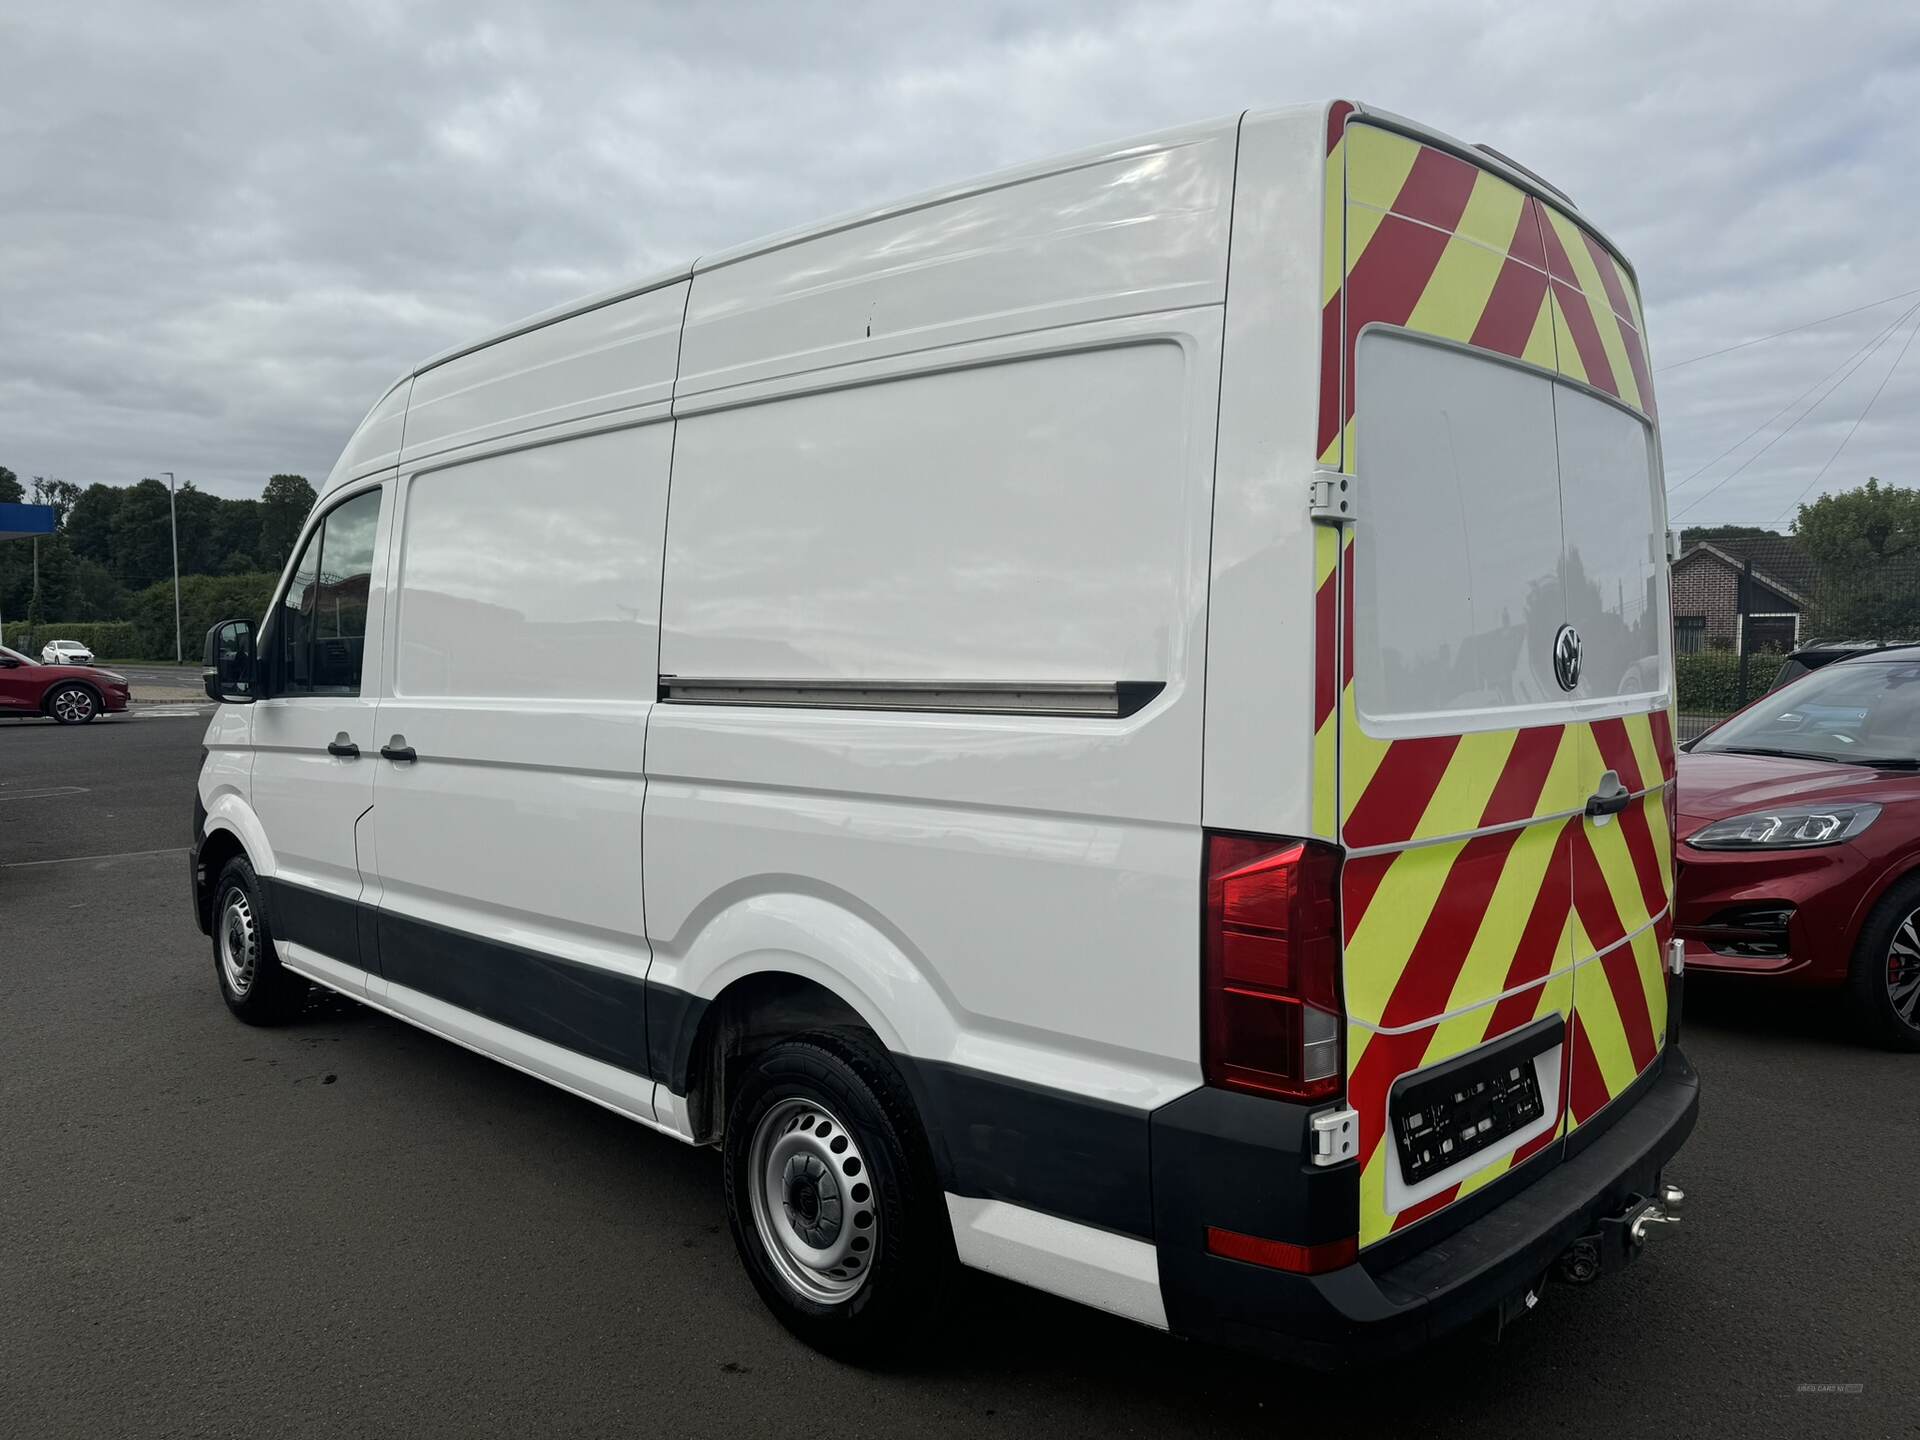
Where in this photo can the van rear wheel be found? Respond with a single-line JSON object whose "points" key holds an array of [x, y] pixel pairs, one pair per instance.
{"points": [[831, 1196]]}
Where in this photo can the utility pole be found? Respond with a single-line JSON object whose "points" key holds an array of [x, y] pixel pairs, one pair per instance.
{"points": [[173, 524]]}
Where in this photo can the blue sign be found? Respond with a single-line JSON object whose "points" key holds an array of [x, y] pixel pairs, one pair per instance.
{"points": [[20, 522]]}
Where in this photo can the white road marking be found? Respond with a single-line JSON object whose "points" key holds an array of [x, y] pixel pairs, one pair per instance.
{"points": [[46, 793], [77, 859]]}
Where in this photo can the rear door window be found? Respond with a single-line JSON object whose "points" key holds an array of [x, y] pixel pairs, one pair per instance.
{"points": [[1616, 558], [1459, 594]]}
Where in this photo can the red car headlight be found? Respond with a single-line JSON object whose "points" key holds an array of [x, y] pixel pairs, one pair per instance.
{"points": [[1791, 828]]}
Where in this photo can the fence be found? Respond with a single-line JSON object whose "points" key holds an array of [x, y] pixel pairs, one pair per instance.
{"points": [[1712, 683]]}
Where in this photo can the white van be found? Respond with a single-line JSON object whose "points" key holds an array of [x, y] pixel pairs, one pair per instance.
{"points": [[1109, 723]]}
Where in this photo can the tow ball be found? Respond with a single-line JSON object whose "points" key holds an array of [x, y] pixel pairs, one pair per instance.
{"points": [[1620, 1237], [1663, 1210]]}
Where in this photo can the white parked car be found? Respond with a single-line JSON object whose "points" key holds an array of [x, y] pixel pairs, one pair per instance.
{"points": [[1128, 759], [65, 652]]}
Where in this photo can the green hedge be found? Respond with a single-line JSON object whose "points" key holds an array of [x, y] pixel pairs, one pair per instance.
{"points": [[108, 639], [1709, 683], [204, 601]]}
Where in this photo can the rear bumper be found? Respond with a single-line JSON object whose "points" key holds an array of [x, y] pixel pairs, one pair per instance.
{"points": [[1392, 1300]]}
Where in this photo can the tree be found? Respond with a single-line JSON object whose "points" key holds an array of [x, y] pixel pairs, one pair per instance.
{"points": [[96, 594], [1707, 534], [142, 536], [10, 491], [236, 534], [283, 510], [1866, 545], [60, 494], [197, 515], [89, 523], [49, 601], [204, 600]]}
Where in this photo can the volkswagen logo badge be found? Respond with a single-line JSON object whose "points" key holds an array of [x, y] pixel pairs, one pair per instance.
{"points": [[1566, 657]]}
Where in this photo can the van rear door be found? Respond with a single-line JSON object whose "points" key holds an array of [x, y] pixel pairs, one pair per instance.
{"points": [[1616, 590], [1502, 608]]}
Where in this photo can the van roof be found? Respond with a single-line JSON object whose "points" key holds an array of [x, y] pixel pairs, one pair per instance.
{"points": [[1483, 156], [780, 239]]}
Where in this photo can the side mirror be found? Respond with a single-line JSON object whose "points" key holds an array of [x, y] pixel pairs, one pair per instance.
{"points": [[7, 662], [229, 672]]}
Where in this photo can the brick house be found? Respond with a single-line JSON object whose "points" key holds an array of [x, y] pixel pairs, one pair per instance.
{"points": [[1706, 595]]}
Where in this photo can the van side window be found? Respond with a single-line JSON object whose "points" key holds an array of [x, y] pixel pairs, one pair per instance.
{"points": [[293, 625], [322, 622]]}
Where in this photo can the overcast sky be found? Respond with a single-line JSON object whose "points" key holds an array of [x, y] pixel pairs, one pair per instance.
{"points": [[224, 228]]}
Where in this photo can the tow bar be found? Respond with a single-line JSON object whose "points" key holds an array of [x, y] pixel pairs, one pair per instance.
{"points": [[1657, 1213], [1620, 1237]]}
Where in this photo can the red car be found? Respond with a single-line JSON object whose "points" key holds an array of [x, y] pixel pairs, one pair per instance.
{"points": [[1799, 840], [71, 694]]}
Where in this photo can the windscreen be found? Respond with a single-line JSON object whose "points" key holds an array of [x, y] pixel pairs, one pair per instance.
{"points": [[1865, 711]]}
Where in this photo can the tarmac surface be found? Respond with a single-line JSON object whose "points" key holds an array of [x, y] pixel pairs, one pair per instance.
{"points": [[349, 1227]]}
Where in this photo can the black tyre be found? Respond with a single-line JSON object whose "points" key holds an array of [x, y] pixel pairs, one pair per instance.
{"points": [[73, 704], [832, 1199], [1886, 969], [254, 984]]}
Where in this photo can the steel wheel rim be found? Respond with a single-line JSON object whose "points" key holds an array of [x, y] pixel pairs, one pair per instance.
{"points": [[239, 942], [1903, 970], [72, 705], [813, 1202]]}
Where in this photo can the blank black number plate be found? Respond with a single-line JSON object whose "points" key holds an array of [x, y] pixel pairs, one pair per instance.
{"points": [[1441, 1120]]}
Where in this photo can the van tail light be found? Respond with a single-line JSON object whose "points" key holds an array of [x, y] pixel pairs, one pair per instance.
{"points": [[1271, 1018]]}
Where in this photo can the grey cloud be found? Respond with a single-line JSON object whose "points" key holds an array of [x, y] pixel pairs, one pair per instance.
{"points": [[227, 227]]}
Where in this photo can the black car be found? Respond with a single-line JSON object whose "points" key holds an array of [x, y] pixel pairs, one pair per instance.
{"points": [[1816, 653]]}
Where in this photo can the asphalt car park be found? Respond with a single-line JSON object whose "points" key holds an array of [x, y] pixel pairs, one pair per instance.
{"points": [[350, 1227]]}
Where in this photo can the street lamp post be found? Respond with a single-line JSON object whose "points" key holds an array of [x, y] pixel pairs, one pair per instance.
{"points": [[173, 525]]}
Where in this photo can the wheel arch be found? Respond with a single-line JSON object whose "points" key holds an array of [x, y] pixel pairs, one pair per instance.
{"points": [[99, 695], [751, 1014], [765, 966], [1891, 878], [231, 829]]}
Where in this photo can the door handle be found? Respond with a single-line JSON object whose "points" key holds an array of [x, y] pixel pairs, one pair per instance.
{"points": [[1610, 799], [398, 750], [343, 747]]}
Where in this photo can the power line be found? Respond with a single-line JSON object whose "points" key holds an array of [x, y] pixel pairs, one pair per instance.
{"points": [[1790, 330], [1714, 489], [1859, 351], [1859, 421]]}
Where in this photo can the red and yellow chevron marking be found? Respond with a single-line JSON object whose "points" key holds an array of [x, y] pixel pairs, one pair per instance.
{"points": [[1621, 922], [1596, 313], [1459, 908], [1333, 249], [1484, 898], [1326, 681], [1419, 238], [1384, 1056], [1620, 1021]]}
